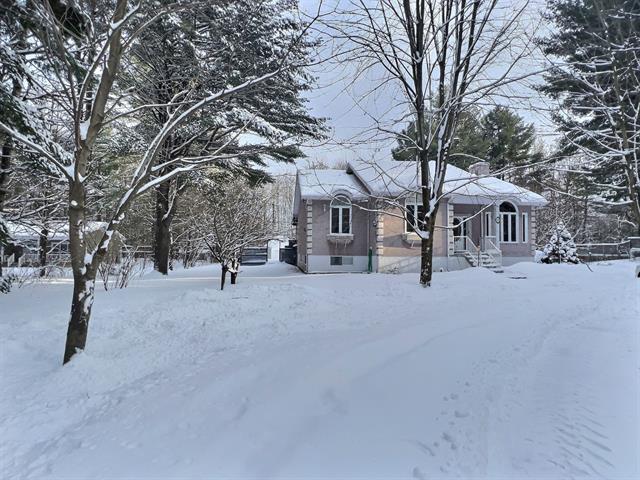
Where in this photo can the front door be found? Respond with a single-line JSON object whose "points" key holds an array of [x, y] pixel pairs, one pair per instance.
{"points": [[461, 230]]}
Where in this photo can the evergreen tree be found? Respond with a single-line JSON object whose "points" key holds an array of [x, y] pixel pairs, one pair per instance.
{"points": [[561, 247], [468, 147], [597, 85], [509, 141], [221, 46]]}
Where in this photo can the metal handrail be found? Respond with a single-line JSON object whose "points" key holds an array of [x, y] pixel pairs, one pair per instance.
{"points": [[476, 250], [475, 247]]}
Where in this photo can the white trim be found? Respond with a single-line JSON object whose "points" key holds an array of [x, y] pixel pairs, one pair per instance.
{"points": [[509, 223], [524, 226], [340, 208], [407, 204], [465, 228], [487, 224]]}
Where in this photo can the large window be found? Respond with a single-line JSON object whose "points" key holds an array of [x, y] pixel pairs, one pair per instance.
{"points": [[414, 214], [509, 222], [340, 216]]}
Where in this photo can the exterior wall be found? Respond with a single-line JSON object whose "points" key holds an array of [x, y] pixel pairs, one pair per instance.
{"points": [[523, 251], [322, 264], [520, 249], [475, 223], [411, 264], [384, 233], [323, 249], [301, 233], [395, 245]]}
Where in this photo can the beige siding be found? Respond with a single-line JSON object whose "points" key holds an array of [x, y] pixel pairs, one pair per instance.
{"points": [[396, 246]]}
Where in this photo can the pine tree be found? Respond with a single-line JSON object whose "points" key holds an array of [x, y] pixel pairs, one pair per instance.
{"points": [[469, 145], [509, 140], [217, 47], [596, 83], [561, 247]]}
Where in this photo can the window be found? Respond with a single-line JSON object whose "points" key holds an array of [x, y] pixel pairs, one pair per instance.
{"points": [[487, 227], [334, 261], [415, 214], [525, 227], [340, 216], [509, 222]]}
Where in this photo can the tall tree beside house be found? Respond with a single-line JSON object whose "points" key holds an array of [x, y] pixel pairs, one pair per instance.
{"points": [[434, 53], [468, 147], [508, 141], [172, 55], [75, 88], [596, 83]]}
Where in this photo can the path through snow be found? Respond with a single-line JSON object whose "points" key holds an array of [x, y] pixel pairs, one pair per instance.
{"points": [[288, 375]]}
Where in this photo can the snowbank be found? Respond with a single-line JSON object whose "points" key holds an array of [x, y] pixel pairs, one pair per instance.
{"points": [[532, 373]]}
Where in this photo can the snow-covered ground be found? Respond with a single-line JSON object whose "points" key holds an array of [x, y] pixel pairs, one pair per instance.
{"points": [[531, 373]]}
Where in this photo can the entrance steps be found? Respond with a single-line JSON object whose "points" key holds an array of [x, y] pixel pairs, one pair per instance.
{"points": [[486, 260]]}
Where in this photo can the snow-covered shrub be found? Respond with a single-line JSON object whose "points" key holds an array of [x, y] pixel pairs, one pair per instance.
{"points": [[5, 284], [560, 248]]}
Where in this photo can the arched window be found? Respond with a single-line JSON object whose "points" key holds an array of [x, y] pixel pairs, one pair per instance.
{"points": [[340, 219], [509, 222]]}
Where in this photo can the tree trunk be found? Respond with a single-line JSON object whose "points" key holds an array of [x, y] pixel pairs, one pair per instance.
{"points": [[426, 253], [6, 153], [43, 248], [82, 301], [235, 269], [162, 233], [223, 276]]}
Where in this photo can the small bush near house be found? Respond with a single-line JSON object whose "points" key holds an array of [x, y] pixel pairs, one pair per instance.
{"points": [[561, 247]]}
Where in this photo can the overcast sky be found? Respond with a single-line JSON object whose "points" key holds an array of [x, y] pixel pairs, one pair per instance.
{"points": [[348, 116]]}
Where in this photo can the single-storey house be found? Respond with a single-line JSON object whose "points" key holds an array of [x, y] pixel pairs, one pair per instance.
{"points": [[364, 217]]}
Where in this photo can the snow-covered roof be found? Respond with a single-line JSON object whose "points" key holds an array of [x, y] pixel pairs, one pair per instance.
{"points": [[58, 230], [326, 184], [393, 178]]}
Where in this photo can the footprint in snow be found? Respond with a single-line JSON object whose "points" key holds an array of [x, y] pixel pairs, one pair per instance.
{"points": [[417, 473]]}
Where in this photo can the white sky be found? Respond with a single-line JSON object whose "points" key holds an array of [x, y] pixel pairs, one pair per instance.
{"points": [[348, 116]]}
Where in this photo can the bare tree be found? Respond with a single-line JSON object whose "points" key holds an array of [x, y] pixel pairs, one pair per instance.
{"points": [[441, 57], [236, 216]]}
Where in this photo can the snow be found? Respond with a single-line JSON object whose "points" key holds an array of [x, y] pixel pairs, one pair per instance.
{"points": [[393, 178], [83, 127], [528, 374], [326, 184]]}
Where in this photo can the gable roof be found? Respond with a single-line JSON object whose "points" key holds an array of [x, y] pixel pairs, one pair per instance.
{"points": [[324, 184], [396, 179]]}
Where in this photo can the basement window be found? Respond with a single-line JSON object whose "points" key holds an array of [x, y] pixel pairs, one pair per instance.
{"points": [[336, 261]]}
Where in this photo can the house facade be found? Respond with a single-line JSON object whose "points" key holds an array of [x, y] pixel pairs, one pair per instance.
{"points": [[363, 219]]}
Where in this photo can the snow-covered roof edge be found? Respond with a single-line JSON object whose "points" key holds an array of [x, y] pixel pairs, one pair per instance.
{"points": [[460, 185]]}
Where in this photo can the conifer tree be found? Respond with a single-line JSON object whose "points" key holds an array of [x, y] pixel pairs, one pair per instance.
{"points": [[561, 247]]}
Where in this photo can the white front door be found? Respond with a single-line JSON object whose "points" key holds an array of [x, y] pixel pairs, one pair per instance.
{"points": [[461, 230]]}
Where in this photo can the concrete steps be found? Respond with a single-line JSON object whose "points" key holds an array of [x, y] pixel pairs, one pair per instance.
{"points": [[486, 260]]}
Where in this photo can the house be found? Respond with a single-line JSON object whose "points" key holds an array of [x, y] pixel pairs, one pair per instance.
{"points": [[24, 242], [364, 217]]}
